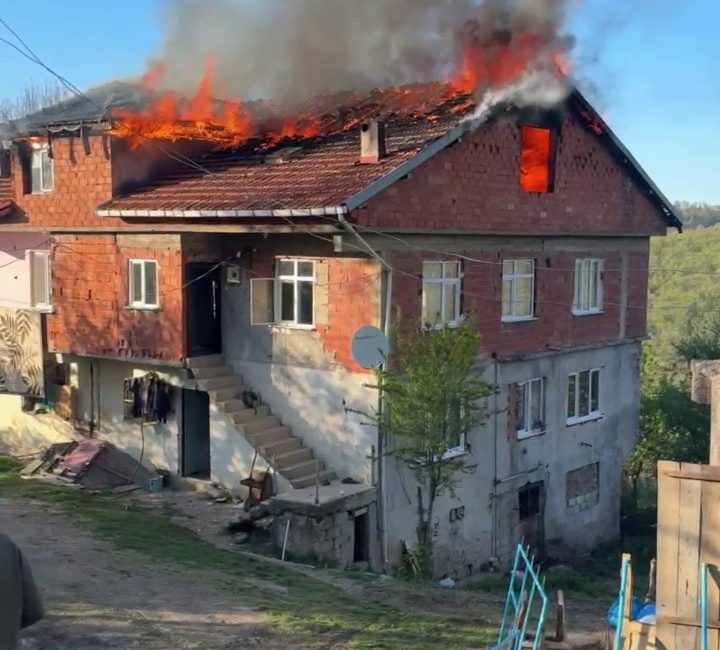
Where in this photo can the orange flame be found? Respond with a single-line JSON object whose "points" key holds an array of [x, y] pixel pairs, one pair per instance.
{"points": [[231, 124]]}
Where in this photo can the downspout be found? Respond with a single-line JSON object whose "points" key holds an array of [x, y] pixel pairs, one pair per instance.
{"points": [[495, 461], [381, 465]]}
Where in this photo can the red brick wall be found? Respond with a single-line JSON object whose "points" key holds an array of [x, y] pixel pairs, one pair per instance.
{"points": [[81, 183], [90, 293], [555, 326], [475, 185]]}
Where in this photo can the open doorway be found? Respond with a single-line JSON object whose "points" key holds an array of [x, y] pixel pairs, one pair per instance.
{"points": [[202, 297], [361, 552], [531, 527], [195, 439]]}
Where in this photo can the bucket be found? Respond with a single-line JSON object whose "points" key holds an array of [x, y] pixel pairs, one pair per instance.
{"points": [[155, 484]]}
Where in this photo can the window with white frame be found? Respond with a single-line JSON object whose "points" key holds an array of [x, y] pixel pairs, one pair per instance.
{"points": [[40, 279], [143, 284], [530, 411], [454, 432], [441, 293], [518, 290], [41, 171], [295, 292], [583, 396], [588, 287]]}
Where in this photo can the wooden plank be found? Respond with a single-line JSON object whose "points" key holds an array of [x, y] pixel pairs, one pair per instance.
{"points": [[667, 552], [688, 562], [697, 474], [686, 622], [710, 553]]}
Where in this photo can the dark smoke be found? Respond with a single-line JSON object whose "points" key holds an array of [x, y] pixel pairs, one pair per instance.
{"points": [[291, 50]]}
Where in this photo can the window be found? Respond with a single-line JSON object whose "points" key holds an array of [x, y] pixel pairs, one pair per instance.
{"points": [[588, 287], [441, 293], [529, 501], [143, 283], [583, 396], [530, 417], [41, 171], [537, 159], [518, 290], [40, 279], [294, 292], [454, 429]]}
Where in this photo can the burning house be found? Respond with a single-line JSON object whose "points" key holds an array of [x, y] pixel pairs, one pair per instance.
{"points": [[226, 252]]}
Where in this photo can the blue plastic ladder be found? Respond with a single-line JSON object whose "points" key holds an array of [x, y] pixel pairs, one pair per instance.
{"points": [[526, 600]]}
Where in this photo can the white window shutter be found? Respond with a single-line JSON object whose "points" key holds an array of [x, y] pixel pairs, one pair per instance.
{"points": [[262, 301]]}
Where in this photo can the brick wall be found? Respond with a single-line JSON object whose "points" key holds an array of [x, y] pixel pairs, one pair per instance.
{"points": [[90, 294], [475, 185], [555, 325]]}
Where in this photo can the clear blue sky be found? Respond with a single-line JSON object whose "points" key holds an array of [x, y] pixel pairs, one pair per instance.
{"points": [[655, 65]]}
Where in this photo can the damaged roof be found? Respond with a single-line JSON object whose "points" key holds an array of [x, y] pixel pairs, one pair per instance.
{"points": [[326, 177]]}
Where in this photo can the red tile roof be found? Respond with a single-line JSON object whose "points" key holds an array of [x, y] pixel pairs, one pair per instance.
{"points": [[322, 175]]}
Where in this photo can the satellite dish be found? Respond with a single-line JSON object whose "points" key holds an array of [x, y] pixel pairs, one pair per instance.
{"points": [[370, 347]]}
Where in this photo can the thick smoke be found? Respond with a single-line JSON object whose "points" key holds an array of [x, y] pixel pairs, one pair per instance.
{"points": [[291, 50]]}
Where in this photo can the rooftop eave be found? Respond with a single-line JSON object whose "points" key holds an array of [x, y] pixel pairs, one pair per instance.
{"points": [[286, 213]]}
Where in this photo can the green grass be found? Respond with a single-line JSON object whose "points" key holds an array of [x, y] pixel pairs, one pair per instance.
{"points": [[314, 611]]}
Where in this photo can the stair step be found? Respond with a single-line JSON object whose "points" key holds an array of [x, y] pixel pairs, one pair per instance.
{"points": [[269, 435], [241, 418], [231, 406], [280, 447], [260, 424], [205, 361], [305, 468], [212, 371], [215, 383], [224, 394], [291, 458], [309, 480]]}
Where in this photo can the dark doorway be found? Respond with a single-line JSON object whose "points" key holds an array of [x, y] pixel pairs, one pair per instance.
{"points": [[361, 538], [195, 441], [202, 298], [531, 506]]}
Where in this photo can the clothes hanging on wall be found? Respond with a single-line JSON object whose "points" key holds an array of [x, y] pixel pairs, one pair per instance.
{"points": [[149, 398]]}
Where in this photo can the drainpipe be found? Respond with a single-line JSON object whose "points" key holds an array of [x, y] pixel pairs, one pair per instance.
{"points": [[381, 465], [495, 461]]}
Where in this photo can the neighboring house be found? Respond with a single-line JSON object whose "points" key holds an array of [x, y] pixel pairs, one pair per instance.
{"points": [[538, 223]]}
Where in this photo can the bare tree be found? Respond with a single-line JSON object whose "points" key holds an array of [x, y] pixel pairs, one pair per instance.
{"points": [[33, 98]]}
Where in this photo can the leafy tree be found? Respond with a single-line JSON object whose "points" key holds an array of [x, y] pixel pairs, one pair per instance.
{"points": [[432, 398]]}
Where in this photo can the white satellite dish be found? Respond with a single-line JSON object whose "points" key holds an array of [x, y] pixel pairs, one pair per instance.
{"points": [[370, 347]]}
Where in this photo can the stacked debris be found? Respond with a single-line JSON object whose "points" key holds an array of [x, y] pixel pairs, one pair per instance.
{"points": [[92, 464], [256, 521]]}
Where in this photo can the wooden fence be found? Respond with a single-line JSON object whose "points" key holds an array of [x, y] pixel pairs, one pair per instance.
{"points": [[688, 534]]}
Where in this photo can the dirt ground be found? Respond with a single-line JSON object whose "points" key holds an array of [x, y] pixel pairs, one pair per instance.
{"points": [[97, 598]]}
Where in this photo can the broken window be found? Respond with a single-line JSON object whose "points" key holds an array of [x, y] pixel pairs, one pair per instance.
{"points": [[529, 501], [588, 287], [41, 171], [537, 159], [143, 284], [518, 290], [530, 415], [40, 278], [441, 293], [583, 396]]}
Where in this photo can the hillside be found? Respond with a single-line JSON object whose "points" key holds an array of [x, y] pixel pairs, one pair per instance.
{"points": [[683, 289]]}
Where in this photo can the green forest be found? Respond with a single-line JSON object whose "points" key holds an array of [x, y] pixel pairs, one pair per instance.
{"points": [[684, 324]]}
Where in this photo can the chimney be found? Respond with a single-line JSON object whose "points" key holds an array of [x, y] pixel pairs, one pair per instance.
{"points": [[372, 143]]}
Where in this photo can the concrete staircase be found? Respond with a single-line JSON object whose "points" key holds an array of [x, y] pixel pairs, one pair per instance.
{"points": [[263, 430]]}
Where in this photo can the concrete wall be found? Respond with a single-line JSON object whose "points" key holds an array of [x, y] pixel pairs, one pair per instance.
{"points": [[15, 283], [304, 381], [489, 526]]}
